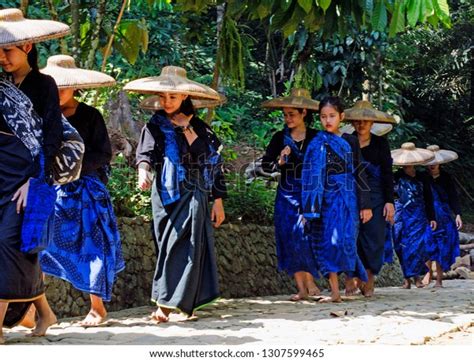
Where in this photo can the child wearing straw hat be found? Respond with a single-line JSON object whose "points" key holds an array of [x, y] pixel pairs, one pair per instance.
{"points": [[26, 139], [286, 151], [377, 162], [444, 246], [84, 247], [414, 212], [335, 198], [183, 153]]}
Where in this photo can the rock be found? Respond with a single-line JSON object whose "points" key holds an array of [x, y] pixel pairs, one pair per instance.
{"points": [[465, 273], [464, 261], [465, 238]]}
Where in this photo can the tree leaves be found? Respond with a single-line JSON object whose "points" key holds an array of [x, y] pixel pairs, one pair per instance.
{"points": [[132, 35], [324, 4], [397, 23], [379, 18]]}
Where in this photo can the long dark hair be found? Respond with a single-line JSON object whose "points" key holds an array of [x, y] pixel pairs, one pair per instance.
{"points": [[187, 107], [332, 101], [32, 57]]}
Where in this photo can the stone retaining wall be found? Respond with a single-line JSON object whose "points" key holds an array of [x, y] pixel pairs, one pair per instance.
{"points": [[246, 259]]}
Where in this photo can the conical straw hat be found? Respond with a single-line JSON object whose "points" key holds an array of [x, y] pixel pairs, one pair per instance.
{"points": [[172, 80], [363, 110], [299, 98], [408, 154], [153, 103], [64, 71], [441, 155], [377, 129], [15, 30]]}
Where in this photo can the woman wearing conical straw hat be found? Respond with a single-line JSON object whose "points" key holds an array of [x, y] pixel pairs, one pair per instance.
{"points": [[414, 212], [25, 138], [183, 153], [444, 247], [89, 261], [335, 198], [286, 151], [378, 165]]}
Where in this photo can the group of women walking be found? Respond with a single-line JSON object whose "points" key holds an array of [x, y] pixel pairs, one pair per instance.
{"points": [[334, 201]]}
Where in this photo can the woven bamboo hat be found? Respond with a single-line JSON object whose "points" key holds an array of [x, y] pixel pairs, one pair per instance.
{"points": [[377, 129], [64, 71], [172, 80], [15, 30], [299, 98], [363, 110], [408, 154], [153, 103], [441, 155]]}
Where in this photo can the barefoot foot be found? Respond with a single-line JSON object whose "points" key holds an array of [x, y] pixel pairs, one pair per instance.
{"points": [[161, 315], [2, 339], [314, 291], [43, 324], [28, 320], [298, 297], [427, 279], [438, 285], [93, 318], [406, 284]]}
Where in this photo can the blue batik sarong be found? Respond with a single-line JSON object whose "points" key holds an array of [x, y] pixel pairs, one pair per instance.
{"points": [[85, 247], [412, 231], [443, 247], [388, 247], [330, 206]]}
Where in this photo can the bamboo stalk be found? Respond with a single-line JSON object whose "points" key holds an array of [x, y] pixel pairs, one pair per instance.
{"points": [[112, 36]]}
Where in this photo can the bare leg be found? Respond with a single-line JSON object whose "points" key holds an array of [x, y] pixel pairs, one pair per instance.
{"points": [[300, 278], [418, 282], [429, 274], [311, 287], [406, 284], [351, 286], [97, 313], [439, 275], [368, 288], [46, 317], [29, 319], [161, 314], [335, 295], [3, 311]]}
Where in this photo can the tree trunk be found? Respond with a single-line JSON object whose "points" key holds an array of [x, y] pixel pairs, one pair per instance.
{"points": [[24, 7], [75, 29], [95, 35], [216, 77], [55, 17], [112, 36]]}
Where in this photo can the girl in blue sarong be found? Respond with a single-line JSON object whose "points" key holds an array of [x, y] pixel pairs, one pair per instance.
{"points": [[444, 246], [84, 245], [335, 197], [377, 162], [286, 151], [414, 213]]}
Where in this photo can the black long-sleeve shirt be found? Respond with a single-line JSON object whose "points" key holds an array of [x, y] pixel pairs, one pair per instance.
{"points": [[378, 153], [294, 166], [91, 126], [446, 182], [151, 149], [424, 179], [43, 93]]}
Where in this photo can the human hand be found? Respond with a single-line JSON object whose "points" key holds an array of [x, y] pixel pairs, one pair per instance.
{"points": [[217, 213], [145, 177], [389, 212], [433, 225], [365, 215], [284, 155], [20, 196], [458, 222]]}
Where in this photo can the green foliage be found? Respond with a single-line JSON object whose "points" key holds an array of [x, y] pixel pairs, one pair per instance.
{"points": [[128, 200], [249, 202]]}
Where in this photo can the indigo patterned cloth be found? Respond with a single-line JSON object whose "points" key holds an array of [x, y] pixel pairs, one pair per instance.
{"points": [[172, 172], [38, 213], [443, 247], [85, 247], [411, 232], [388, 247], [330, 206]]}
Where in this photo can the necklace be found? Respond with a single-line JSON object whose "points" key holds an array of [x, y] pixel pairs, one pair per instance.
{"points": [[19, 84], [184, 128]]}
